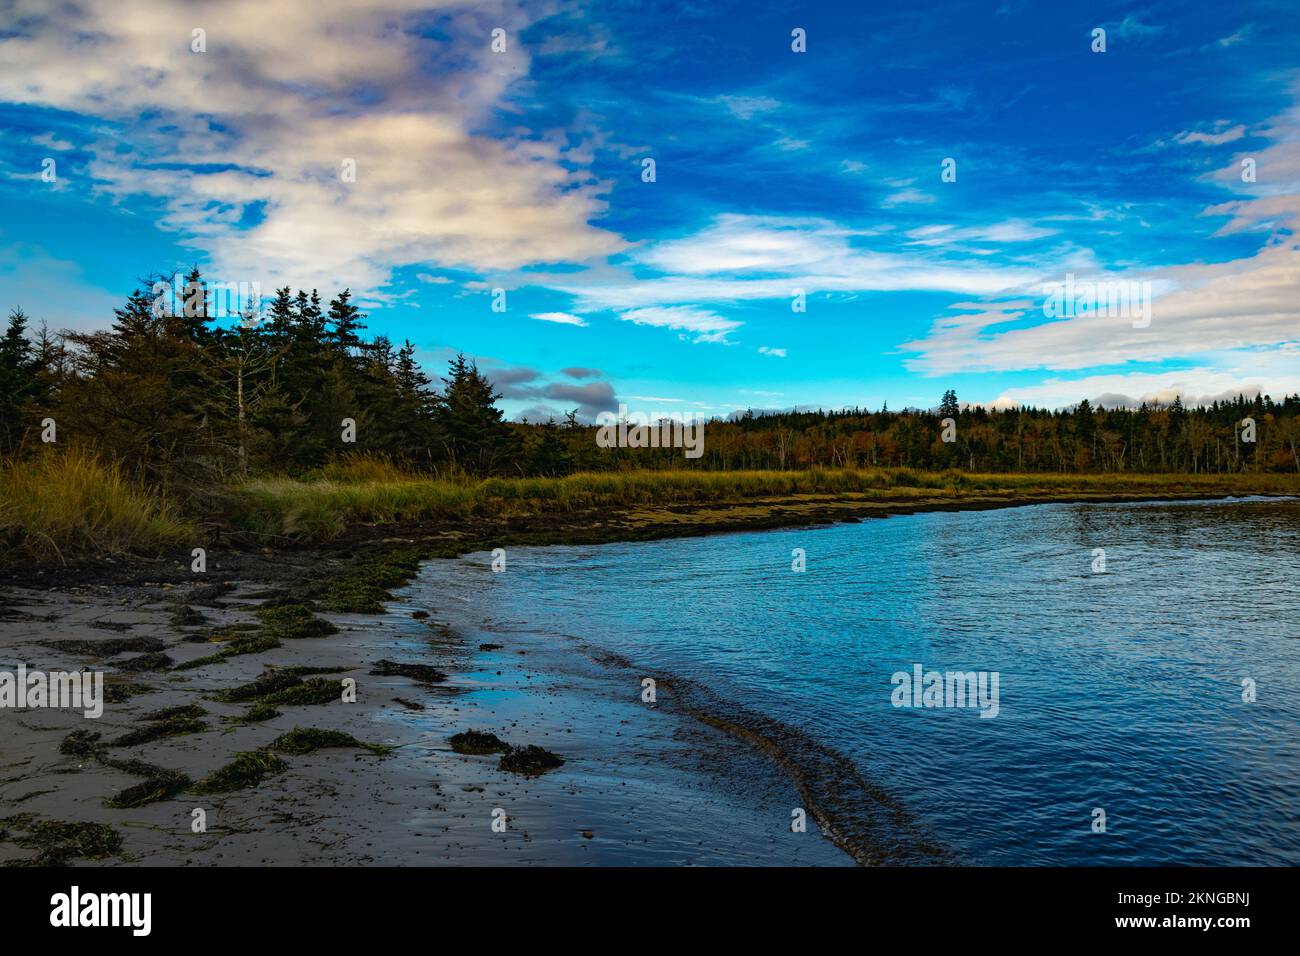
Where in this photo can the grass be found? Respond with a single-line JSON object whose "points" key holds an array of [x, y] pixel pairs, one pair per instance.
{"points": [[321, 509], [59, 506], [63, 505]]}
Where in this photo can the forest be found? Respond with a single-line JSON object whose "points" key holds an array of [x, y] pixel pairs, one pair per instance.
{"points": [[181, 401]]}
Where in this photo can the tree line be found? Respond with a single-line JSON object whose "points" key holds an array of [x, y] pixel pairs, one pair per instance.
{"points": [[184, 400]]}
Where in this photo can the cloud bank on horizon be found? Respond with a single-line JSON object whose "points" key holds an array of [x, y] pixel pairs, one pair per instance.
{"points": [[686, 206]]}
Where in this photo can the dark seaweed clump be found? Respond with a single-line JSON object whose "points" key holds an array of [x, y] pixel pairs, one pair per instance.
{"points": [[158, 785], [477, 743], [531, 760], [116, 692], [247, 770], [304, 740], [293, 621], [146, 662], [318, 690], [58, 842], [240, 645], [81, 743], [170, 713], [270, 682], [186, 616], [157, 729], [254, 715], [423, 673], [364, 588], [109, 647]]}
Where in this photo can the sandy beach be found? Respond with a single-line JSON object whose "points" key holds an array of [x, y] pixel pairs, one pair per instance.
{"points": [[640, 784]]}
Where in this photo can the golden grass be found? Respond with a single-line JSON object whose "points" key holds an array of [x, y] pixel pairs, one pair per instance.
{"points": [[321, 509], [63, 505]]}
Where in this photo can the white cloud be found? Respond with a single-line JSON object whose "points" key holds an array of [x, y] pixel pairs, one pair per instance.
{"points": [[1199, 308], [707, 326], [775, 353], [560, 318], [1228, 135], [1010, 230], [328, 82], [747, 107], [907, 196], [744, 258]]}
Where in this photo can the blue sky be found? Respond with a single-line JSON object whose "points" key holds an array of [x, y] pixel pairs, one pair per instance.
{"points": [[775, 171]]}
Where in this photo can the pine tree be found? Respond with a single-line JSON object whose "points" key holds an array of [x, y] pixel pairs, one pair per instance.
{"points": [[470, 427], [141, 393], [347, 322], [21, 385]]}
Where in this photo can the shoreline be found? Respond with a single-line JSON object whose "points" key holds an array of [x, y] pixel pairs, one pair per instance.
{"points": [[319, 810]]}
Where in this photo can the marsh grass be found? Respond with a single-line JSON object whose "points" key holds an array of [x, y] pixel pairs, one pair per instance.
{"points": [[321, 509], [59, 506]]}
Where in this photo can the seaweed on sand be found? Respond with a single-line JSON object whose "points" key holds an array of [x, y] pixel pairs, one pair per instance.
{"points": [[254, 644], [269, 682], [531, 760], [364, 588], [146, 662], [169, 713], [293, 621], [304, 740], [117, 691], [248, 769], [157, 729], [159, 785], [57, 842], [186, 616], [81, 743], [477, 743], [108, 647], [318, 690], [254, 714], [423, 673]]}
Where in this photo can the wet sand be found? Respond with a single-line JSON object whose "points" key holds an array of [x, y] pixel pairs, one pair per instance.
{"points": [[641, 785]]}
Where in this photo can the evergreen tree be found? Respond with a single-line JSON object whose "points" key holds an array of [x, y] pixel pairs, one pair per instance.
{"points": [[21, 384], [469, 426], [347, 324]]}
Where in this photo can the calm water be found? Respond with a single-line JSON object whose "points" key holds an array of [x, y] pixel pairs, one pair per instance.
{"points": [[1120, 691]]}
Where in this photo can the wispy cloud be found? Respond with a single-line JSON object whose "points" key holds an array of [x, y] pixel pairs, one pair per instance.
{"points": [[706, 326], [559, 318]]}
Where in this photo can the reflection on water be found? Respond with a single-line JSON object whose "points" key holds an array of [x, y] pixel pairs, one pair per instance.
{"points": [[1120, 691]]}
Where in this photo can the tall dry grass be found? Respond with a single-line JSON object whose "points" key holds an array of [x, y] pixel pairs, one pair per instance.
{"points": [[63, 505], [380, 493]]}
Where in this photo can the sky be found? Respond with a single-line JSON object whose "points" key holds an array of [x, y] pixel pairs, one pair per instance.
{"points": [[850, 204]]}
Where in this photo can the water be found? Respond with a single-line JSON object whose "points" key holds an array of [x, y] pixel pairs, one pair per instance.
{"points": [[1120, 691]]}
